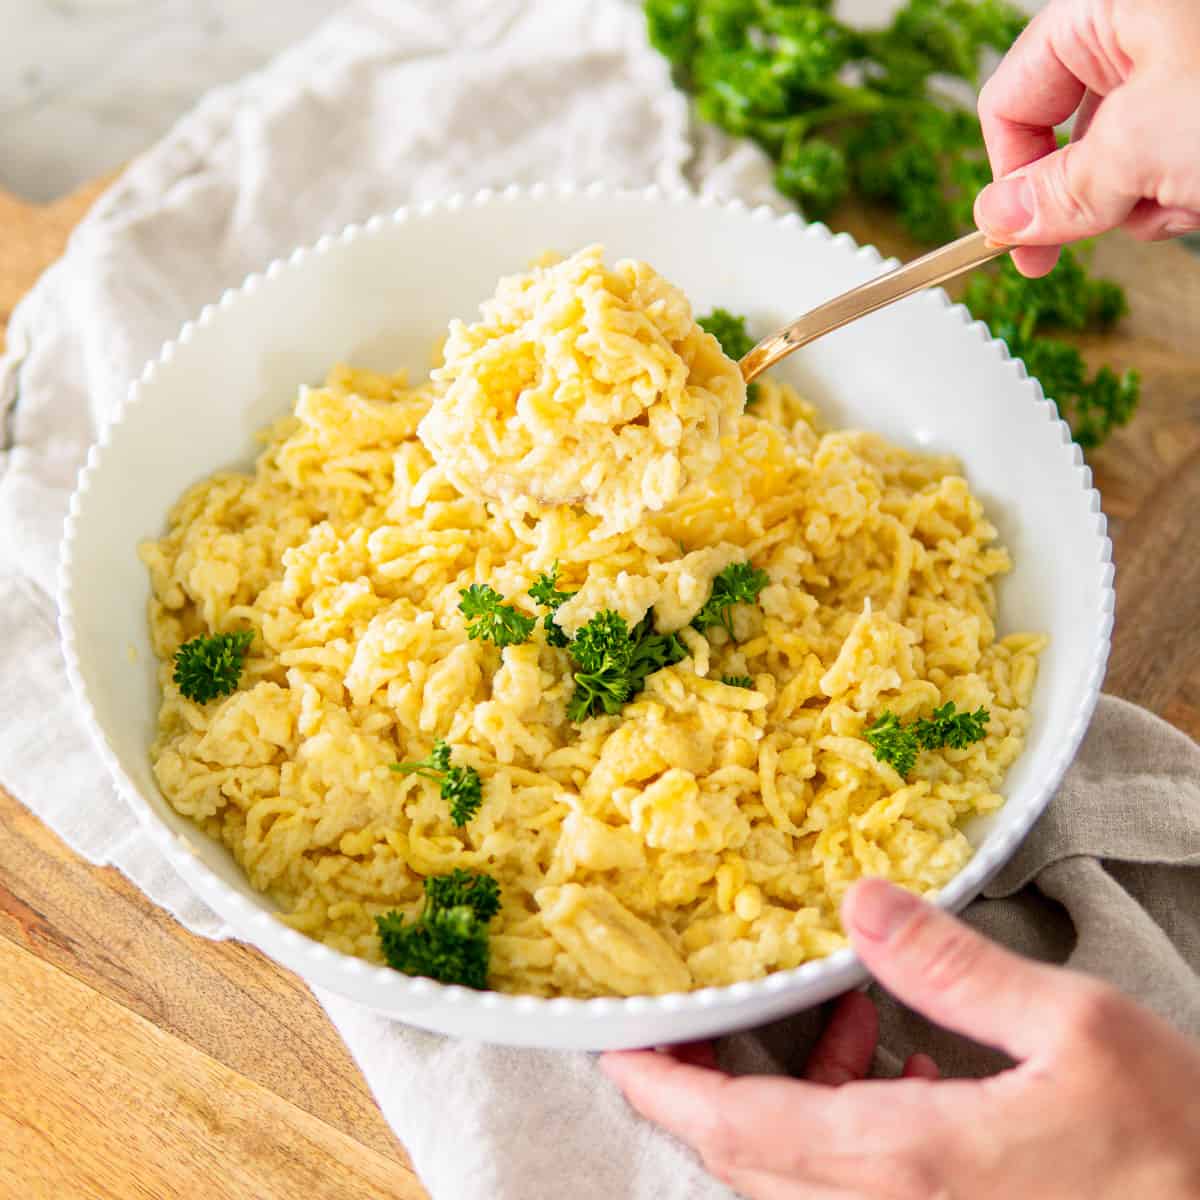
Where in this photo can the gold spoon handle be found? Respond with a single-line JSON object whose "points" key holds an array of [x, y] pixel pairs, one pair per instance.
{"points": [[927, 271]]}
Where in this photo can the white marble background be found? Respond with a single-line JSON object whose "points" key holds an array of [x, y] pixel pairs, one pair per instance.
{"points": [[86, 84]]}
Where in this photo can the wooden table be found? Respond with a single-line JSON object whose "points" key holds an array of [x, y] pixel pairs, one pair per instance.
{"points": [[140, 1061]]}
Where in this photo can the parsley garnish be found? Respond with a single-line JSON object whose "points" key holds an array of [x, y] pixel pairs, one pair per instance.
{"points": [[490, 619], [1021, 310], [946, 727], [480, 893], [898, 744], [545, 591], [738, 681], [736, 343], [461, 786], [208, 667], [892, 742], [449, 940], [842, 109], [739, 583], [729, 330], [612, 662]]}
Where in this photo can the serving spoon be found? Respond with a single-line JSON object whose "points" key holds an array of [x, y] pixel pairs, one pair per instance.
{"points": [[927, 271]]}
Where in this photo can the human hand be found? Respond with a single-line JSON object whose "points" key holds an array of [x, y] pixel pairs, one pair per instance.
{"points": [[1102, 1104], [1130, 69]]}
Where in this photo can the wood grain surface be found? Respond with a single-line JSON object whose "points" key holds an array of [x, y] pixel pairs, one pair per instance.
{"points": [[32, 236], [140, 1062]]}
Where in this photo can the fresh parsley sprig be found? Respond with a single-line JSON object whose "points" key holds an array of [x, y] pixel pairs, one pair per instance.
{"points": [[842, 109], [738, 583], [490, 619], [449, 940], [892, 742], [612, 662], [899, 744], [947, 727], [839, 107], [461, 787], [1026, 313], [730, 330], [545, 591], [208, 667], [480, 893]]}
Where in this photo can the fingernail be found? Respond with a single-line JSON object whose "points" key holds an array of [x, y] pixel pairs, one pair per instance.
{"points": [[879, 909], [1005, 207]]}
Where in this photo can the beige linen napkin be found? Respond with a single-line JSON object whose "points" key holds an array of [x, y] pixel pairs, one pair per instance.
{"points": [[396, 102]]}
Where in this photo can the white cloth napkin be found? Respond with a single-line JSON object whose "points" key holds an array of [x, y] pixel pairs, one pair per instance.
{"points": [[391, 103]]}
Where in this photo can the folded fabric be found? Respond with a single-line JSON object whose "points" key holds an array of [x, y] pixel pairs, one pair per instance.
{"points": [[396, 102]]}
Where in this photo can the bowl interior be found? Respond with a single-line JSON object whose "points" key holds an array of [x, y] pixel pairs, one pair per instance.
{"points": [[915, 372]]}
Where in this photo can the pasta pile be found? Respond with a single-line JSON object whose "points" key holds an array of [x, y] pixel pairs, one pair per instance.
{"points": [[706, 832], [582, 385]]}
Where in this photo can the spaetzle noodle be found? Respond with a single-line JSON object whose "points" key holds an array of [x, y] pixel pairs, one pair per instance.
{"points": [[706, 833]]}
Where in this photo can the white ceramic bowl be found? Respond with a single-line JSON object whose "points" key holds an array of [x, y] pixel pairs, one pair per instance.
{"points": [[378, 295]]}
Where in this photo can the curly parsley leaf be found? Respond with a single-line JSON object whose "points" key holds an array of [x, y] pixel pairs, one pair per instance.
{"points": [[814, 173], [738, 583], [729, 330], [899, 744], [842, 109], [612, 662], [946, 727], [892, 742], [736, 342], [1026, 313], [449, 940], [208, 667], [439, 756], [461, 787], [738, 681], [545, 591], [554, 633], [490, 619], [480, 893], [602, 652]]}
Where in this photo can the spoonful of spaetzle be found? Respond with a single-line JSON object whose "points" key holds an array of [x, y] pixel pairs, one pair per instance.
{"points": [[594, 387]]}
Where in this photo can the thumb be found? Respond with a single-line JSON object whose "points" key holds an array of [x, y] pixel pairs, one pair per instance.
{"points": [[942, 968], [1081, 190]]}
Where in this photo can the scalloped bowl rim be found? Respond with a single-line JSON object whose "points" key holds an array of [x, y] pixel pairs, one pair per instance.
{"points": [[340, 971]]}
